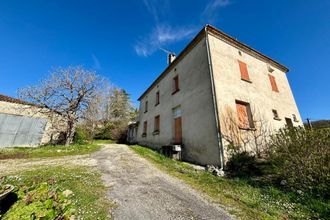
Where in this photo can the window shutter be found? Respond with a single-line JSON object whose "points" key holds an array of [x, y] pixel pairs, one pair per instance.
{"points": [[145, 127], [157, 123], [273, 83], [157, 98], [242, 113], [244, 71]]}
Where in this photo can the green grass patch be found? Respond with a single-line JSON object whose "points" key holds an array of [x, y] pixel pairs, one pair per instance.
{"points": [[41, 194], [241, 197], [48, 151]]}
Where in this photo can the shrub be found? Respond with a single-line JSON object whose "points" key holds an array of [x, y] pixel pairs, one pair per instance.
{"points": [[302, 158], [116, 130], [81, 136], [242, 164], [105, 132]]}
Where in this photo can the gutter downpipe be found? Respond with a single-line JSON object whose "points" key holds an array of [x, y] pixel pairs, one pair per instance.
{"points": [[214, 98]]}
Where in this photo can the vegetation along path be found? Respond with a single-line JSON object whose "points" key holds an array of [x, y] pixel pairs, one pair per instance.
{"points": [[142, 191]]}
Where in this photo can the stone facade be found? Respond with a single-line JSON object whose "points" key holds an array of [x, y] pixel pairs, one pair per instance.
{"points": [[209, 79]]}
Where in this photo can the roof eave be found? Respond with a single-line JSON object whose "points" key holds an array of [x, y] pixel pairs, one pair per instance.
{"points": [[190, 45], [246, 47], [216, 31]]}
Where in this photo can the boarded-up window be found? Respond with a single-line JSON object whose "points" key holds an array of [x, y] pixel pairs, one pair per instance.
{"points": [[176, 87], [244, 71], [157, 98], [145, 125], [244, 114], [157, 123], [273, 83]]}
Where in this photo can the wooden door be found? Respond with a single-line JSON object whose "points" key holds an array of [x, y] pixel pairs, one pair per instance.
{"points": [[178, 130]]}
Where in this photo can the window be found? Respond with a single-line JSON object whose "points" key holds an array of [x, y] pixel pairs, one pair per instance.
{"points": [[244, 71], [177, 112], [157, 124], [244, 114], [273, 83], [157, 98], [289, 123], [146, 107], [275, 114], [240, 53], [175, 84], [145, 125], [294, 118]]}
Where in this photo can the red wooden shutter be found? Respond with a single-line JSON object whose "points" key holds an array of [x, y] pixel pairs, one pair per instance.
{"points": [[243, 118], [157, 123], [157, 98], [178, 130], [273, 83], [176, 84], [244, 71], [145, 127]]}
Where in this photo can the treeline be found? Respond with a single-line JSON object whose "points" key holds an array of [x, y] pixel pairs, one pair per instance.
{"points": [[320, 124]]}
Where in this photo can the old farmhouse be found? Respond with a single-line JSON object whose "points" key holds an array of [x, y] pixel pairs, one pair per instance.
{"points": [[215, 81]]}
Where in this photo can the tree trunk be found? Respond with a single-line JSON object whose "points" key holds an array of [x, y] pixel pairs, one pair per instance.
{"points": [[70, 133]]}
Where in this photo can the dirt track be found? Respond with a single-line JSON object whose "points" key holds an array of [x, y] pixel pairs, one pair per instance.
{"points": [[142, 191]]}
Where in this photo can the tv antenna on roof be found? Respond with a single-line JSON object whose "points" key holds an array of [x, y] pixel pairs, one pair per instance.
{"points": [[170, 55]]}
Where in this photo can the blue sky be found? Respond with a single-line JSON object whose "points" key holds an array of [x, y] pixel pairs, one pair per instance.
{"points": [[120, 40]]}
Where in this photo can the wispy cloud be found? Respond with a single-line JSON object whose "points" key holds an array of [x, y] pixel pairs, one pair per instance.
{"points": [[96, 62], [157, 8], [162, 35], [211, 9]]}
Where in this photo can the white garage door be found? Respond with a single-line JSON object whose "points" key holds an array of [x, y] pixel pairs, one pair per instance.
{"points": [[16, 130]]}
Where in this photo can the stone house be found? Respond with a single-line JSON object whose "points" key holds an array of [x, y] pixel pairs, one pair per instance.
{"points": [[25, 124], [214, 79]]}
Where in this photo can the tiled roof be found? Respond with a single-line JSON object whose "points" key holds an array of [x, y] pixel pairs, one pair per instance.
{"points": [[5, 98]]}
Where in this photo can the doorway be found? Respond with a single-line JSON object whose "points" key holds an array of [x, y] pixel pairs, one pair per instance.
{"points": [[177, 125]]}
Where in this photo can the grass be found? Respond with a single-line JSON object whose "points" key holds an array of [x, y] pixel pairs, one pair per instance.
{"points": [[87, 201], [48, 151], [241, 197]]}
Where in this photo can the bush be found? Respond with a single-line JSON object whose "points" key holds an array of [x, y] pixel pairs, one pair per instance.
{"points": [[242, 164], [302, 159], [116, 130], [81, 136]]}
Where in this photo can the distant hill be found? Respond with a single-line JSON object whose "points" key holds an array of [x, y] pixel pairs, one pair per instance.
{"points": [[320, 124]]}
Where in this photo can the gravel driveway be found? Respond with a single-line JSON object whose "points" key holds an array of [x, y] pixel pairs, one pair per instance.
{"points": [[142, 191]]}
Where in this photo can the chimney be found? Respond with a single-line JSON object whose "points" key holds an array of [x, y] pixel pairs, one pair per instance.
{"points": [[170, 58]]}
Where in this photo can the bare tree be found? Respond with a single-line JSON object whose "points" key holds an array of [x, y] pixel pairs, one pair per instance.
{"points": [[68, 91], [260, 134], [95, 116], [231, 132], [244, 139]]}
